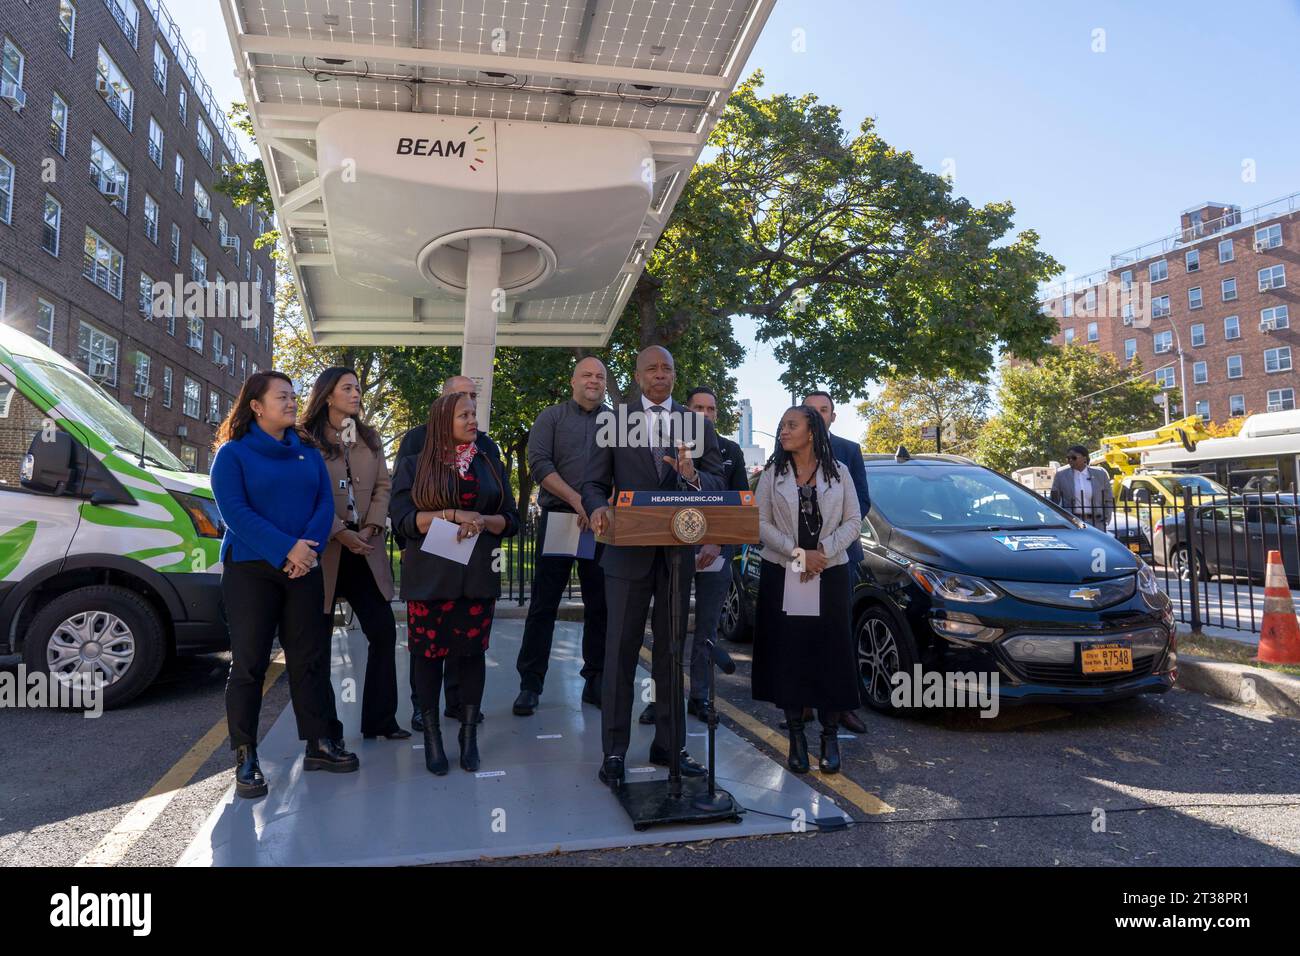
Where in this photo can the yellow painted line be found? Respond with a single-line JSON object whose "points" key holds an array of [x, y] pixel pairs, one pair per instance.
{"points": [[842, 785], [112, 849]]}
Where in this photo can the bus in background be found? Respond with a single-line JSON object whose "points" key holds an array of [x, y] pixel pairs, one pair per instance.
{"points": [[1261, 459]]}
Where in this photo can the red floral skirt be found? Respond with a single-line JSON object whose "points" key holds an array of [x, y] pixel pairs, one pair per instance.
{"points": [[456, 626]]}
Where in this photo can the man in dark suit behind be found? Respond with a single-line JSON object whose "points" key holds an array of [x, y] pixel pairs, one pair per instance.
{"points": [[652, 461], [849, 453]]}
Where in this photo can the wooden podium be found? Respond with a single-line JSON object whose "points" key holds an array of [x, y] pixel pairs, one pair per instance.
{"points": [[676, 520]]}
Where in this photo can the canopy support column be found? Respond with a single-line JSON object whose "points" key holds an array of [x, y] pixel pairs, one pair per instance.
{"points": [[485, 300]]}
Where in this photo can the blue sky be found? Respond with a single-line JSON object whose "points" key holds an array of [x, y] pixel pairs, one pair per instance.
{"points": [[1100, 140]]}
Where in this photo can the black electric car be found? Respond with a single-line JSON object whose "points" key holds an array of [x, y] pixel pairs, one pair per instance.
{"points": [[968, 572]]}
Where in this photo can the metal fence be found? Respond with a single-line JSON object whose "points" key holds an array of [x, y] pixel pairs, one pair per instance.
{"points": [[519, 554], [1210, 552]]}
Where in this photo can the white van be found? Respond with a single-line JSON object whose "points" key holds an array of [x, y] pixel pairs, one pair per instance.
{"points": [[109, 547]]}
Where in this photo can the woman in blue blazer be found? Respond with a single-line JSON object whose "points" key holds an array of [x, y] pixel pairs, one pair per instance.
{"points": [[274, 494]]}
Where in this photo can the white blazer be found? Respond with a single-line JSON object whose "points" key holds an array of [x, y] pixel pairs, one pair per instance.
{"points": [[778, 512]]}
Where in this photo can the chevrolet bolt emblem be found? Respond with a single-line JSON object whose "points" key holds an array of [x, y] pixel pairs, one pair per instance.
{"points": [[1085, 594]]}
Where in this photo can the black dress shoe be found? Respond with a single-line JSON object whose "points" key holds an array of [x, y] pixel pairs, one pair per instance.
{"points": [[851, 722], [698, 708], [392, 733], [690, 766], [647, 715], [417, 722], [326, 754], [525, 703], [611, 772], [249, 781], [591, 694]]}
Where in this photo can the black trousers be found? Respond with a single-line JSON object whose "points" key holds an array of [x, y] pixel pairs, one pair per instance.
{"points": [[355, 584], [427, 673], [261, 600], [550, 578], [629, 602]]}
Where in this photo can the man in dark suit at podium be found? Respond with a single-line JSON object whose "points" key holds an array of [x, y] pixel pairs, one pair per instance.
{"points": [[645, 459]]}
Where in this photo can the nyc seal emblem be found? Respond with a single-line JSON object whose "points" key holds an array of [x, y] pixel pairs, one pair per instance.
{"points": [[689, 525]]}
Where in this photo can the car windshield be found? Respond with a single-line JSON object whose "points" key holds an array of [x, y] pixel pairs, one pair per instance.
{"points": [[1200, 485], [956, 498], [90, 405]]}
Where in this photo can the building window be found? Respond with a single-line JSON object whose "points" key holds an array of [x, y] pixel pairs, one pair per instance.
{"points": [[1281, 399], [1225, 250], [103, 264], [111, 84], [59, 124], [1193, 259], [1278, 317], [204, 135], [178, 174], [127, 17], [1231, 328], [1278, 359], [194, 333], [1236, 405], [1229, 289], [1092, 332], [1165, 377], [67, 25], [1067, 306], [243, 366], [1127, 313], [1158, 270], [202, 203], [1130, 349], [230, 359], [1200, 373], [1234, 366], [109, 175], [218, 347], [1274, 277], [45, 321], [1198, 335], [160, 66], [190, 456], [1090, 300], [1164, 341], [1160, 307], [1069, 336], [6, 190], [12, 63], [167, 387], [198, 266], [192, 398], [51, 225], [4, 285], [142, 376], [176, 244], [248, 266], [1270, 237], [155, 142], [180, 101], [144, 301], [98, 354], [1126, 280], [151, 218], [214, 406], [1203, 408], [1194, 297]]}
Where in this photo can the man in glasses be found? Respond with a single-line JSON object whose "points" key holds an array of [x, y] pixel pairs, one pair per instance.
{"points": [[1082, 490]]}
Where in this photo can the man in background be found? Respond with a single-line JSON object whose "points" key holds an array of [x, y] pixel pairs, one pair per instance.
{"points": [[1082, 490]]}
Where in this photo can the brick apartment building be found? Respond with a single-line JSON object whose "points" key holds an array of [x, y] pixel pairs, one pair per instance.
{"points": [[110, 143], [1224, 286]]}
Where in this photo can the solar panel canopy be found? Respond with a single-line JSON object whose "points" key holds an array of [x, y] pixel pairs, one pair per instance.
{"points": [[660, 68]]}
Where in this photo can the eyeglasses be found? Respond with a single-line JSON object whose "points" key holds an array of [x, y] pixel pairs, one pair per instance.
{"points": [[807, 499]]}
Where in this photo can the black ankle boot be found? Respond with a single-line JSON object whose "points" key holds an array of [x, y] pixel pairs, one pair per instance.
{"points": [[435, 757], [830, 762], [798, 759], [469, 739], [326, 754], [249, 781]]}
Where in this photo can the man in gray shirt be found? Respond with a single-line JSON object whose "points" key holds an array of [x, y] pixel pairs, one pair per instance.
{"points": [[559, 445]]}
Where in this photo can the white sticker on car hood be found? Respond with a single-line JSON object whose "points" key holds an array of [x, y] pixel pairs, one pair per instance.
{"points": [[1032, 542]]}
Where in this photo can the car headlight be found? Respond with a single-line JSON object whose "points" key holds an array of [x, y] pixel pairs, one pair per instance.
{"points": [[1147, 582], [203, 513], [952, 586]]}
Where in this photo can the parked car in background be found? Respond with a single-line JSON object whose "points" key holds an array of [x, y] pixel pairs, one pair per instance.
{"points": [[1231, 537]]}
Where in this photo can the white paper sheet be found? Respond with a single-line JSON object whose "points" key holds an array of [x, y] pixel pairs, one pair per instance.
{"points": [[561, 534], [717, 565], [441, 540], [801, 599]]}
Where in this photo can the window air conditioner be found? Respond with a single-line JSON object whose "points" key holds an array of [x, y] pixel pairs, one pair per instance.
{"points": [[13, 94]]}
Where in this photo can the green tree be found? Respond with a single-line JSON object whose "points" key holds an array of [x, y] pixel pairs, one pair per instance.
{"points": [[958, 408], [1073, 396]]}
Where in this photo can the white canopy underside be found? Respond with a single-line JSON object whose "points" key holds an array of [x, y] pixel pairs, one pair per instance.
{"points": [[661, 67]]}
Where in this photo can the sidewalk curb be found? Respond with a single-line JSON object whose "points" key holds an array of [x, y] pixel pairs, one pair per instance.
{"points": [[1265, 690]]}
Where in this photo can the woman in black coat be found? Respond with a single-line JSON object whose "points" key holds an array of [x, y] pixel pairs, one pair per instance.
{"points": [[449, 605]]}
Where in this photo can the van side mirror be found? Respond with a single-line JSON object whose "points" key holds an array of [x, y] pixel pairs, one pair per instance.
{"points": [[1158, 499], [49, 466]]}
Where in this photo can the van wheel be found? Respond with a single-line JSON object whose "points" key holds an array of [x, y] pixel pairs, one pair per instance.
{"points": [[104, 630], [885, 648]]}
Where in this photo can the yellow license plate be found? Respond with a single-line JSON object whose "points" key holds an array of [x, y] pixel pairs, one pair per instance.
{"points": [[1134, 547], [1107, 658]]}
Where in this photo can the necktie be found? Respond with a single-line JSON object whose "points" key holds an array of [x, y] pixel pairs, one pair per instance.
{"points": [[656, 445]]}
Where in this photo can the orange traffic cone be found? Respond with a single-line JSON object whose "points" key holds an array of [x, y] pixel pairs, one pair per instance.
{"points": [[1279, 638]]}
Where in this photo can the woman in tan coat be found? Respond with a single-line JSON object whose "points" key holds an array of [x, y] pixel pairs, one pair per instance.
{"points": [[356, 561]]}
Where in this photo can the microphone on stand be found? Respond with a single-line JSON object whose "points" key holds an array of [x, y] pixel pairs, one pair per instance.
{"points": [[721, 658]]}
